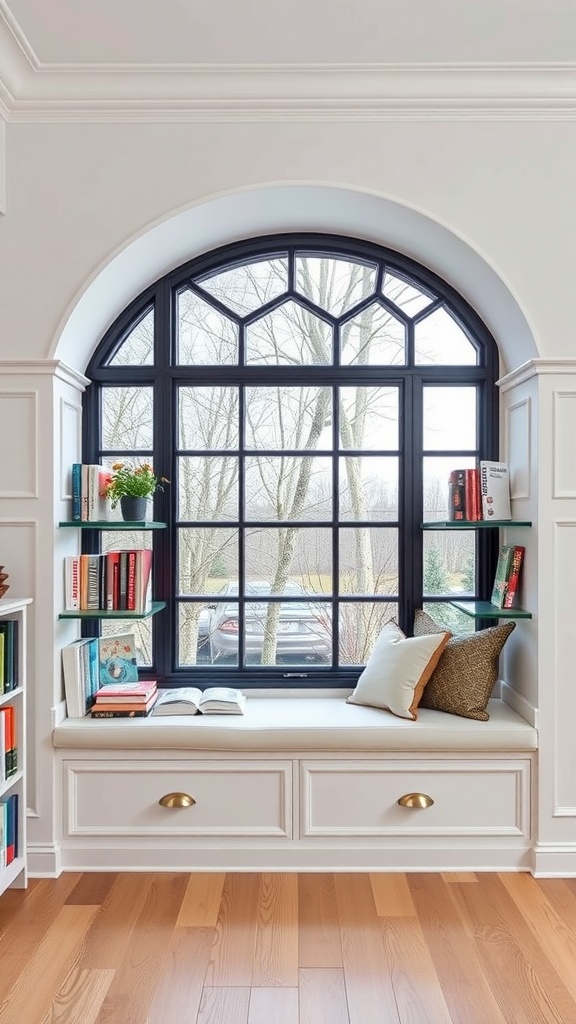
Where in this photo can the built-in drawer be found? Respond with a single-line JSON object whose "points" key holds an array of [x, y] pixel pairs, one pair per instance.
{"points": [[470, 797], [231, 798]]}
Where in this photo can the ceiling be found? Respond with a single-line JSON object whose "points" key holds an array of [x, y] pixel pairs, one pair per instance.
{"points": [[302, 31], [216, 59]]}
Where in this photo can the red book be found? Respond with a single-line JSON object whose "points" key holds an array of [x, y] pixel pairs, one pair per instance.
{"points": [[131, 582], [513, 577], [472, 500], [112, 580]]}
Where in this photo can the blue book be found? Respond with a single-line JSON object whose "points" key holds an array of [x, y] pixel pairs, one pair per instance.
{"points": [[76, 492]]}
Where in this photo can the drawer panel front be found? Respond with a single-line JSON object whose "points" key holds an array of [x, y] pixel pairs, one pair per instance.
{"points": [[232, 798], [490, 798]]}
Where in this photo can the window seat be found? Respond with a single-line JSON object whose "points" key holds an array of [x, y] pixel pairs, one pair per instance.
{"points": [[305, 724]]}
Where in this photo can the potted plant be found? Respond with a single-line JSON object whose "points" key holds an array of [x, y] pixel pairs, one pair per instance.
{"points": [[131, 487]]}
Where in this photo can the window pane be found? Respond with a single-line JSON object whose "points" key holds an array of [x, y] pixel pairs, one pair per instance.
{"points": [[245, 288], [449, 416], [334, 284], [286, 487], [407, 297], [373, 337], [289, 336], [194, 619], [301, 556], [368, 487], [439, 339], [137, 349], [289, 418], [207, 558], [368, 561], [369, 418], [207, 487], [127, 418], [436, 476], [208, 418], [449, 562], [451, 618], [360, 625], [204, 335]]}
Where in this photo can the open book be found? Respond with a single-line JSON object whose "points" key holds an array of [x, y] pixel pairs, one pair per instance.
{"points": [[189, 700]]}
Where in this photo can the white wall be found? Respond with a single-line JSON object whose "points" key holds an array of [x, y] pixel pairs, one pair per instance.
{"points": [[486, 204]]}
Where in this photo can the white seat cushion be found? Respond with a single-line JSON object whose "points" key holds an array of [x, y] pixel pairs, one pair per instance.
{"points": [[304, 723]]}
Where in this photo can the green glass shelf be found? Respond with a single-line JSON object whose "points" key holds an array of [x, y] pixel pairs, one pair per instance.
{"points": [[485, 610], [100, 613], [113, 524], [479, 524]]}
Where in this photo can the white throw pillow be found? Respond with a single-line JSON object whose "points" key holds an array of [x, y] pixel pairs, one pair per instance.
{"points": [[397, 671]]}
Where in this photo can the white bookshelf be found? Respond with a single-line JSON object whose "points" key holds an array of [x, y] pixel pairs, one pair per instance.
{"points": [[15, 874]]}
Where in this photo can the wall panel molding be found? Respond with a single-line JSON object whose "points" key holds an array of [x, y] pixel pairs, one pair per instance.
{"points": [[19, 443], [563, 433], [561, 671], [519, 440]]}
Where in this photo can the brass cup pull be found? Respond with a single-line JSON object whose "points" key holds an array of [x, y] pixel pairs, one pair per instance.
{"points": [[419, 800], [176, 800]]}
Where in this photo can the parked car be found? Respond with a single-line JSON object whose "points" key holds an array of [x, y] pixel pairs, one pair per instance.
{"points": [[304, 628]]}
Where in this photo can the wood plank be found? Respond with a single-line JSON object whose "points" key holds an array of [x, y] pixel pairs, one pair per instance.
{"points": [[276, 950], [27, 924], [368, 987], [232, 958], [38, 982], [460, 877], [226, 1005], [318, 926], [178, 993], [79, 998], [111, 931], [454, 955], [273, 1006], [201, 903], [539, 916], [417, 991], [522, 980], [92, 887], [138, 974], [392, 895], [323, 996]]}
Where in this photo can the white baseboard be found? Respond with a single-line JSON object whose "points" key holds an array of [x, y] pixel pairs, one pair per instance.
{"points": [[44, 860], [519, 704], [119, 858], [554, 860]]}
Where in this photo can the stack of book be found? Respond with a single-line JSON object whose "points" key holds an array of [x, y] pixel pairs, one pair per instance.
{"points": [[507, 575], [93, 662], [8, 655], [115, 581], [479, 494], [125, 700], [89, 501], [8, 748]]}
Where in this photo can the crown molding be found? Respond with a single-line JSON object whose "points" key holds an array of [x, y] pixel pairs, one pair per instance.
{"points": [[32, 91], [536, 368], [44, 367]]}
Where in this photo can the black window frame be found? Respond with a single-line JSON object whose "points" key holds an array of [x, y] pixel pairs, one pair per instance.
{"points": [[165, 376]]}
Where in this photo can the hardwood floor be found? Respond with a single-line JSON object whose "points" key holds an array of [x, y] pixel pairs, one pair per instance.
{"points": [[289, 949]]}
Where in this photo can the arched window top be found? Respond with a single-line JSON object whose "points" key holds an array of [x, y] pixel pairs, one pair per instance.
{"points": [[307, 396]]}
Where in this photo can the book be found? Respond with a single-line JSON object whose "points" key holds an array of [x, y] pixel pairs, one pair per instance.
{"points": [[514, 576], [456, 495], [117, 659], [507, 570], [472, 499], [80, 670], [190, 700], [495, 490], [125, 704], [72, 583], [121, 693], [112, 712], [76, 489]]}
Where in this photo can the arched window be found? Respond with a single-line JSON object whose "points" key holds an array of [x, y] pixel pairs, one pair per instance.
{"points": [[307, 396]]}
